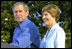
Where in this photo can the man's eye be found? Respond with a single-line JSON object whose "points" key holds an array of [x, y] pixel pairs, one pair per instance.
{"points": [[20, 11], [15, 11]]}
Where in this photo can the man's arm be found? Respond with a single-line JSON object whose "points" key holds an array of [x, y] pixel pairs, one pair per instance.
{"points": [[23, 40]]}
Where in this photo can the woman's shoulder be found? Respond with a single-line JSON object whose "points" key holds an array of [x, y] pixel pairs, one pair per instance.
{"points": [[60, 30]]}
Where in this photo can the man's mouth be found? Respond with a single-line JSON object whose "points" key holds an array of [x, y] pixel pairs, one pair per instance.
{"points": [[18, 17]]}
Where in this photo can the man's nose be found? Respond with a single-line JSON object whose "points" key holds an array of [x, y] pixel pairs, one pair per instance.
{"points": [[18, 13]]}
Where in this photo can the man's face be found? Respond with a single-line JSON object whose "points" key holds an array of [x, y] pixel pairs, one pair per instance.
{"points": [[20, 14]]}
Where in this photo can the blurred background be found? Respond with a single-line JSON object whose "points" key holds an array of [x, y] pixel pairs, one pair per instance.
{"points": [[8, 23]]}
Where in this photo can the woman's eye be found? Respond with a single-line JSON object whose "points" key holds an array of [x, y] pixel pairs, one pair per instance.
{"points": [[46, 14]]}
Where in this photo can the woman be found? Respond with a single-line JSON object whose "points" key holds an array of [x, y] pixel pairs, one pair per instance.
{"points": [[55, 35]]}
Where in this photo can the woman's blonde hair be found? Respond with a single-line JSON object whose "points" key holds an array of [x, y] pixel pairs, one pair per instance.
{"points": [[53, 10]]}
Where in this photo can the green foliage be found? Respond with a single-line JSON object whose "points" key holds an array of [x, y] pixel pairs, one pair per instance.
{"points": [[8, 22], [5, 36]]}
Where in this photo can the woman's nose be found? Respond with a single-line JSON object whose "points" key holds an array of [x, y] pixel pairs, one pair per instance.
{"points": [[43, 17]]}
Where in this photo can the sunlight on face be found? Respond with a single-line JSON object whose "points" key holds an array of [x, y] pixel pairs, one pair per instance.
{"points": [[47, 18], [19, 13]]}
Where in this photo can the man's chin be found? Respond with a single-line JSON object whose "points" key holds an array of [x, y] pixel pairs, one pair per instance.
{"points": [[19, 21]]}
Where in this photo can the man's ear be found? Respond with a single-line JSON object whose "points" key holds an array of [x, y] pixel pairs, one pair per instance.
{"points": [[27, 13]]}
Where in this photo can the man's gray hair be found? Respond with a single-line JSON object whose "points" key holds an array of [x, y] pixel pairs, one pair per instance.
{"points": [[26, 8]]}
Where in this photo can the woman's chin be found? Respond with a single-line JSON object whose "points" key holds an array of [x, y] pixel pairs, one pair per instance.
{"points": [[46, 24]]}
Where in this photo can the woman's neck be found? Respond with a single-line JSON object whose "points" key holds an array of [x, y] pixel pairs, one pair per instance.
{"points": [[51, 25]]}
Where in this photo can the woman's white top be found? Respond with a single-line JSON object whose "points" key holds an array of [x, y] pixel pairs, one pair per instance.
{"points": [[54, 39]]}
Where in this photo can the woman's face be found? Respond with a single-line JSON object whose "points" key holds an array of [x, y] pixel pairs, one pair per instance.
{"points": [[47, 18]]}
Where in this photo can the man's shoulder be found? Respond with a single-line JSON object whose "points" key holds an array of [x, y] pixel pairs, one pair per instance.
{"points": [[31, 24]]}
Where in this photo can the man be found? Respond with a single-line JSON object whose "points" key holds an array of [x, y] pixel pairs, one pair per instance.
{"points": [[26, 34]]}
